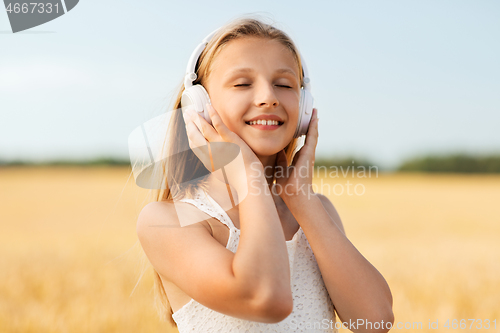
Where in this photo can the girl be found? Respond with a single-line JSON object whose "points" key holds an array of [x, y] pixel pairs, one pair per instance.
{"points": [[278, 260]]}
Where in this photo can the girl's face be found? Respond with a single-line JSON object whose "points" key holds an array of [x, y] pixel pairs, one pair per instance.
{"points": [[255, 79]]}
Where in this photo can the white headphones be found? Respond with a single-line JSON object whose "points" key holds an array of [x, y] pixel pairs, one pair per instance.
{"points": [[196, 96]]}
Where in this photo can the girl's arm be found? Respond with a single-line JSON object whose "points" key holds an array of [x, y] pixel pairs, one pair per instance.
{"points": [[251, 284], [254, 282], [358, 291], [262, 255]]}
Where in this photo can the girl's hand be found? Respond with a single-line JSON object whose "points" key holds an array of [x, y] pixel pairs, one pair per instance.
{"points": [[201, 134], [296, 180]]}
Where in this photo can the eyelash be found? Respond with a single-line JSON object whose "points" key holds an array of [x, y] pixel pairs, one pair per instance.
{"points": [[246, 85]]}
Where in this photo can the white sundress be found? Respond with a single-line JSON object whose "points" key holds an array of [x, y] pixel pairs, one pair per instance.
{"points": [[312, 307]]}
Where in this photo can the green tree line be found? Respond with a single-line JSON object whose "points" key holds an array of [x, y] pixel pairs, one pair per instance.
{"points": [[451, 163], [459, 163]]}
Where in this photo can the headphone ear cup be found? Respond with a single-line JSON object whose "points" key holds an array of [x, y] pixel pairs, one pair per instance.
{"points": [[196, 97], [305, 112]]}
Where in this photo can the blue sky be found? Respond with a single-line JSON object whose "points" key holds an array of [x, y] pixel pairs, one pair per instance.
{"points": [[391, 79]]}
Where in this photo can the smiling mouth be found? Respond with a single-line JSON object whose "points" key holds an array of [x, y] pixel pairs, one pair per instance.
{"points": [[265, 122]]}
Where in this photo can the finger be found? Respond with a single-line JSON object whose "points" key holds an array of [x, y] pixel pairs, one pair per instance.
{"points": [[312, 134], [308, 150], [219, 126], [196, 139], [313, 125], [204, 127]]}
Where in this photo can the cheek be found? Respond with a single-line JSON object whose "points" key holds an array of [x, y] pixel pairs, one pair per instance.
{"points": [[221, 106], [290, 101], [232, 111], [293, 111], [229, 117]]}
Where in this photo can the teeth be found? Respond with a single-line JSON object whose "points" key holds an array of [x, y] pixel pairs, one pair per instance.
{"points": [[264, 122]]}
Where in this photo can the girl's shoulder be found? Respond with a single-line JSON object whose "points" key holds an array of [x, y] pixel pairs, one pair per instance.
{"points": [[330, 208], [170, 214], [197, 264]]}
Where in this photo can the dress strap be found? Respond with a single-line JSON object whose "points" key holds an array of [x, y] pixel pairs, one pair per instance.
{"points": [[204, 202], [221, 211]]}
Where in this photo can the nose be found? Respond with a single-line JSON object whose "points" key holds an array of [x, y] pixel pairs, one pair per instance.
{"points": [[265, 95]]}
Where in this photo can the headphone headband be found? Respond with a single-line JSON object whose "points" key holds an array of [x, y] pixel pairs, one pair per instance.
{"points": [[193, 59], [305, 73], [190, 69]]}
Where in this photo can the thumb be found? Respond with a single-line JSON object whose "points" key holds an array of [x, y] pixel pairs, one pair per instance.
{"points": [[219, 125]]}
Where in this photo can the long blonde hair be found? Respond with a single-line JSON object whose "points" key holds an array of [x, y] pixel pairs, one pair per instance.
{"points": [[186, 166]]}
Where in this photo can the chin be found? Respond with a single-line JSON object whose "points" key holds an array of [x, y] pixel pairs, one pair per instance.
{"points": [[267, 146], [266, 150]]}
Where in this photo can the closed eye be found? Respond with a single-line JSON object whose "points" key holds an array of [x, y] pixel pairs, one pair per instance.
{"points": [[248, 85]]}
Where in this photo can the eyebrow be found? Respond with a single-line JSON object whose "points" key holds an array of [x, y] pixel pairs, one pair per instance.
{"points": [[286, 70], [250, 70]]}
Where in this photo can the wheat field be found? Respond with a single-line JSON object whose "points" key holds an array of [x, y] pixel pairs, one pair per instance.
{"points": [[70, 261]]}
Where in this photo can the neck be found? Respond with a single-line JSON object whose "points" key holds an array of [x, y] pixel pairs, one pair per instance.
{"points": [[217, 184], [269, 164]]}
